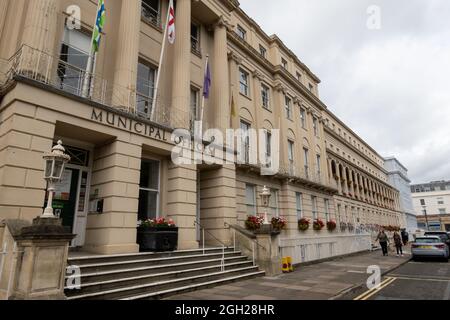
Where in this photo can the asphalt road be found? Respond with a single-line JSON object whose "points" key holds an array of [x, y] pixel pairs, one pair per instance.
{"points": [[422, 280]]}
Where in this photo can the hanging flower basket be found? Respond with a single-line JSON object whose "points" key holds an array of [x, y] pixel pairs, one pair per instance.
{"points": [[303, 224], [331, 225], [279, 223], [318, 225]]}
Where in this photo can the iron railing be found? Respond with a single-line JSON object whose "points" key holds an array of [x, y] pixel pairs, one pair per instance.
{"points": [[151, 15], [39, 66]]}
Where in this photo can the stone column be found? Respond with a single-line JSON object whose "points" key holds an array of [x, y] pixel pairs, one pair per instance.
{"points": [[182, 203], [115, 178], [38, 38], [339, 180], [3, 10], [125, 73], [220, 76], [181, 86]]}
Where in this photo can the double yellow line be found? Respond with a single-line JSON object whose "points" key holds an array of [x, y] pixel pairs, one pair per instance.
{"points": [[367, 295]]}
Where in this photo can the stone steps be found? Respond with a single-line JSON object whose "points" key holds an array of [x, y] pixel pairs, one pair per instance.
{"points": [[150, 276]]}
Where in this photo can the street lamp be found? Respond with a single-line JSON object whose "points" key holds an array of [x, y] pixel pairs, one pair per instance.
{"points": [[265, 197], [426, 217], [54, 168]]}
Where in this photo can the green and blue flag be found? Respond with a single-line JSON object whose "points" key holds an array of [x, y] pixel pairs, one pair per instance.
{"points": [[99, 25]]}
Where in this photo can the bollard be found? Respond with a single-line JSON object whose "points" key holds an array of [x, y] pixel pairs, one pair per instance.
{"points": [[285, 265], [290, 265]]}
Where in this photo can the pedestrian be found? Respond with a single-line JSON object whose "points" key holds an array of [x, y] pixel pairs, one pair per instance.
{"points": [[398, 244], [405, 237], [384, 240]]}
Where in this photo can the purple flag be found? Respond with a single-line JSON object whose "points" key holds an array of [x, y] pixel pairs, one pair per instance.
{"points": [[207, 82]]}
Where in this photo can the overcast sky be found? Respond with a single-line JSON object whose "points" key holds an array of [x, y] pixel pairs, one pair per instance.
{"points": [[390, 85]]}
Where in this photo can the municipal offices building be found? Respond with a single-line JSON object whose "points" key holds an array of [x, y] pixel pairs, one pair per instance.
{"points": [[120, 146]]}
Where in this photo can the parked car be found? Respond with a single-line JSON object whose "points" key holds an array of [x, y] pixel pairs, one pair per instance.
{"points": [[430, 247], [441, 234]]}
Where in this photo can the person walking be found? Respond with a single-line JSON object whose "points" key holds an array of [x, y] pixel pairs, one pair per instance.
{"points": [[405, 237], [384, 240], [398, 244]]}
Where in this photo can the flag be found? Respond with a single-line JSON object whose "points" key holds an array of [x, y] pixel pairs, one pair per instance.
{"points": [[233, 107], [99, 25], [207, 82], [171, 24]]}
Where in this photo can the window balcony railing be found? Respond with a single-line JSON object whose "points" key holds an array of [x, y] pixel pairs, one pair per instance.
{"points": [[195, 46], [151, 15], [41, 67]]}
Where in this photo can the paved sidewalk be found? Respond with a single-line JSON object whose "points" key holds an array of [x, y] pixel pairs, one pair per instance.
{"points": [[320, 281]]}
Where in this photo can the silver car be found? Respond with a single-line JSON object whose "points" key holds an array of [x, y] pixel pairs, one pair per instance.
{"points": [[429, 247]]}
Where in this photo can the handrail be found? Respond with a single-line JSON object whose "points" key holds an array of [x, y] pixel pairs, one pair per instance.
{"points": [[201, 226], [222, 264], [244, 233]]}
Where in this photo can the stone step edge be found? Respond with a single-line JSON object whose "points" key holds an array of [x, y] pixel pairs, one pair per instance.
{"points": [[155, 275], [140, 254], [197, 285], [107, 264], [155, 284], [104, 273]]}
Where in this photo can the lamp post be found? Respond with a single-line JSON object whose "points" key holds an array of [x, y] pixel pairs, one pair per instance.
{"points": [[265, 197], [55, 163], [426, 217]]}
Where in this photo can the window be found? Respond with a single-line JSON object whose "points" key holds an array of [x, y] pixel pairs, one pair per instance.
{"points": [[265, 96], [314, 207], [422, 202], [241, 32], [262, 51], [440, 201], [442, 211], [316, 126], [144, 89], [291, 157], [194, 107], [299, 76], [303, 117], [284, 64], [318, 165], [273, 203], [73, 60], [299, 202], [327, 209], [250, 199], [195, 38], [149, 190], [288, 107], [306, 161], [151, 11], [243, 82], [245, 153], [268, 147]]}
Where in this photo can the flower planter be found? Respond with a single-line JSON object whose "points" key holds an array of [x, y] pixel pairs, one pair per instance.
{"points": [[158, 239]]}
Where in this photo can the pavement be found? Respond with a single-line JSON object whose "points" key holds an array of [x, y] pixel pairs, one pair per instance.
{"points": [[328, 280]]}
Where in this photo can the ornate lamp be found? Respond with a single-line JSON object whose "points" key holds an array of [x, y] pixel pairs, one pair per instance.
{"points": [[265, 197], [55, 163]]}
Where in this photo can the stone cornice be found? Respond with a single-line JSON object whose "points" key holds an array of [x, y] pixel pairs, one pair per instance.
{"points": [[233, 56]]}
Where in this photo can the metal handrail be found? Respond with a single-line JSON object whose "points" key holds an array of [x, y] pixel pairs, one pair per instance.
{"points": [[222, 265]]}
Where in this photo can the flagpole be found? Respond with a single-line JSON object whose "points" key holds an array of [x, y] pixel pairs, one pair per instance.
{"points": [[90, 62], [203, 99], [161, 57]]}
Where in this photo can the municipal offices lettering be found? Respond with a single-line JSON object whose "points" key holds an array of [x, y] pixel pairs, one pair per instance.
{"points": [[125, 123]]}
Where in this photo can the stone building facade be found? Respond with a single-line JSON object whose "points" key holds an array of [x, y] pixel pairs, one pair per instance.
{"points": [[121, 147]]}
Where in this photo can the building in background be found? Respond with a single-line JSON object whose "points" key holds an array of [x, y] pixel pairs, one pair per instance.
{"points": [[432, 201], [398, 178]]}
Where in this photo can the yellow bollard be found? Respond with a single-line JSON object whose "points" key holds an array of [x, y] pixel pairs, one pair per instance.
{"points": [[285, 265], [291, 267]]}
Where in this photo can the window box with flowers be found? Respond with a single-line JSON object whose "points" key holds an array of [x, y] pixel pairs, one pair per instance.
{"points": [[303, 224], [318, 225], [331, 225], [157, 235], [344, 226]]}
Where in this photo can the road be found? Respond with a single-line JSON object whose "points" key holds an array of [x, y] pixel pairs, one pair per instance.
{"points": [[422, 280]]}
